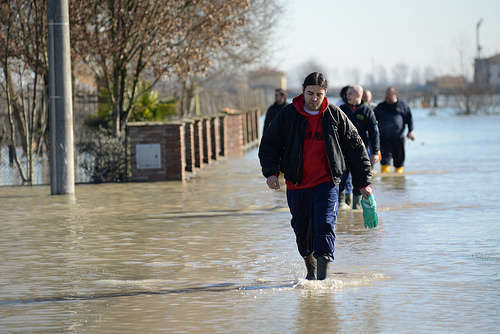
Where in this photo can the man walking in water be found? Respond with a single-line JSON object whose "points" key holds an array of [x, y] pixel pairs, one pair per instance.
{"points": [[279, 103], [313, 143], [364, 120], [393, 115]]}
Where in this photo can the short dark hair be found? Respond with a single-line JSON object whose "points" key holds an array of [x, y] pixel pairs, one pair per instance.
{"points": [[315, 79], [392, 88], [343, 93], [281, 91]]}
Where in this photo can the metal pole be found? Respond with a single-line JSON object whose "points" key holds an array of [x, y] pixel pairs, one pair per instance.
{"points": [[478, 45], [62, 174]]}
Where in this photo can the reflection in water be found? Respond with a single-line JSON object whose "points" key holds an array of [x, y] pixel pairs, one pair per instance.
{"points": [[317, 313], [217, 253]]}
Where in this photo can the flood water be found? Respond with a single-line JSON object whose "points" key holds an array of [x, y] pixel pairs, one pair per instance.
{"points": [[217, 253]]}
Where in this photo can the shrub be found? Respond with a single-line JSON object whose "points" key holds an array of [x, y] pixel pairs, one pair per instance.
{"points": [[105, 156]]}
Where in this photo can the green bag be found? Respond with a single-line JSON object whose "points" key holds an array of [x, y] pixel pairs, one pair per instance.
{"points": [[370, 217]]}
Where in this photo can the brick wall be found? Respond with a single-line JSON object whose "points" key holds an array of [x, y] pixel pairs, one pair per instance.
{"points": [[175, 150]]}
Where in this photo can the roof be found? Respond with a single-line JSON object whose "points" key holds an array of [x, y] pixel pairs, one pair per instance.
{"points": [[495, 59]]}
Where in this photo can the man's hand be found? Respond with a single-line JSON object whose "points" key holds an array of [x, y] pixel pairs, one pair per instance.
{"points": [[366, 191], [410, 135], [374, 158], [273, 183]]}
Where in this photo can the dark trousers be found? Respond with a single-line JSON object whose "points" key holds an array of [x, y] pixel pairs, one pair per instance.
{"points": [[314, 214], [392, 148]]}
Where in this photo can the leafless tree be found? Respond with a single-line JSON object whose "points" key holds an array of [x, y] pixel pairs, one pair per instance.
{"points": [[23, 58], [381, 75], [120, 39], [400, 74], [252, 48], [416, 76]]}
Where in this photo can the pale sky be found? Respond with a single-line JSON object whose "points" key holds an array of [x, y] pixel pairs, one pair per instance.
{"points": [[343, 35]]}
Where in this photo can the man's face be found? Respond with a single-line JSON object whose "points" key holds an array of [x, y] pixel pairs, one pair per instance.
{"points": [[279, 97], [353, 97], [391, 96], [313, 97]]}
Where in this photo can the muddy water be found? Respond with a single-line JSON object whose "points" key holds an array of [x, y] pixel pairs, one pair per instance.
{"points": [[217, 254]]}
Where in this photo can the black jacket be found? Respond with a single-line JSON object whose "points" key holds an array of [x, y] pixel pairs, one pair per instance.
{"points": [[392, 118], [282, 144], [365, 122], [271, 113]]}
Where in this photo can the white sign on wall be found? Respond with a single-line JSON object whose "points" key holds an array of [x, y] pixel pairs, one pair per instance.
{"points": [[147, 156]]}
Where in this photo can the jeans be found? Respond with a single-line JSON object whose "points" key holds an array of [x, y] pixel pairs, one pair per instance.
{"points": [[314, 214]]}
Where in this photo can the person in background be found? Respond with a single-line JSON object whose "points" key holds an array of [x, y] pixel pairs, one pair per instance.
{"points": [[365, 122], [312, 142], [393, 115], [280, 97], [343, 96], [367, 99]]}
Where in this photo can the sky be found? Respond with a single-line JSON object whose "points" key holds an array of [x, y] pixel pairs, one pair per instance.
{"points": [[352, 38]]}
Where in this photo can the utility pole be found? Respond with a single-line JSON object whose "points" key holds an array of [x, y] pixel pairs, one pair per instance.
{"points": [[478, 25], [62, 173]]}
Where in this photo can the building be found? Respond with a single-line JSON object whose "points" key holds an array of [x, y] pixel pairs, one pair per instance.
{"points": [[447, 82], [487, 71], [267, 80]]}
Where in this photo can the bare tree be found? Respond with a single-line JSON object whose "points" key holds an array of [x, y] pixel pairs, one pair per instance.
{"points": [[307, 67], [400, 74], [352, 75], [231, 62], [23, 58], [381, 75], [429, 73], [416, 76], [120, 39]]}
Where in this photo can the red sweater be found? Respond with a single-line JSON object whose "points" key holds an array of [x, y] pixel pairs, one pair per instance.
{"points": [[316, 169]]}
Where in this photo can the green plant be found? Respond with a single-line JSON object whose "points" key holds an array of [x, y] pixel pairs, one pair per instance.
{"points": [[147, 108]]}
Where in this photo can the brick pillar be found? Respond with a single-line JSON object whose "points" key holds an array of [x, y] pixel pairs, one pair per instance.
{"points": [[244, 126], [175, 159], [223, 135], [198, 143], [214, 136], [189, 145], [251, 121], [234, 132], [157, 151], [257, 124], [207, 147]]}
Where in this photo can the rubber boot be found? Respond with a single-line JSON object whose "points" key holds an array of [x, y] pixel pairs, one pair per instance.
{"points": [[399, 170], [342, 202], [311, 267], [356, 202], [385, 168], [322, 268]]}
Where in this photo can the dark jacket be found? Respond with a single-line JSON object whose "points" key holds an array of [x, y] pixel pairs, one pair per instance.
{"points": [[365, 122], [392, 118], [282, 143], [272, 111]]}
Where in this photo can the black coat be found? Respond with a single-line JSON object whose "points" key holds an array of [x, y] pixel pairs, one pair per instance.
{"points": [[365, 122], [392, 119], [271, 113], [282, 144]]}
